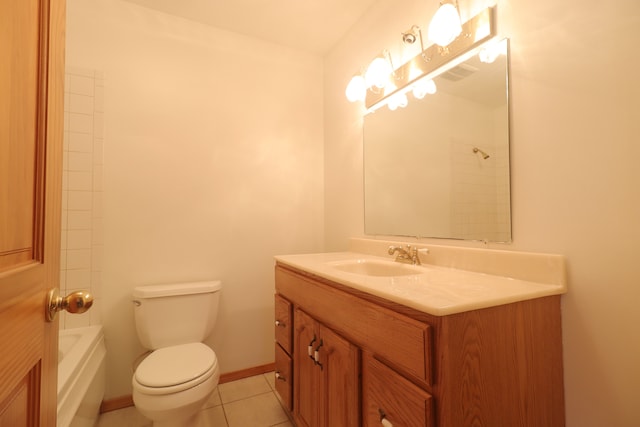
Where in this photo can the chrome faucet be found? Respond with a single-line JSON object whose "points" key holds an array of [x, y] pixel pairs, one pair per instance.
{"points": [[407, 255]]}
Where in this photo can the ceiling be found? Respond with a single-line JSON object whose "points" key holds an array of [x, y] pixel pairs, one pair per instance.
{"points": [[312, 25]]}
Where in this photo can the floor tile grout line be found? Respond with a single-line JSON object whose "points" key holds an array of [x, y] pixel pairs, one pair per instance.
{"points": [[247, 397], [224, 410]]}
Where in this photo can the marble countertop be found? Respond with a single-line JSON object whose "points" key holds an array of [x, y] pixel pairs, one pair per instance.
{"points": [[435, 289]]}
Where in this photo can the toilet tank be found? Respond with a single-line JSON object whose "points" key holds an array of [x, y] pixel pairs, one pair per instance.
{"points": [[175, 314]]}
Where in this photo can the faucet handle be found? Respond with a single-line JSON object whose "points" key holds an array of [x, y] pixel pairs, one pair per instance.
{"points": [[415, 257]]}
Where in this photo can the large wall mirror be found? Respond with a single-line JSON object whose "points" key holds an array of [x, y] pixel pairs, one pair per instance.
{"points": [[440, 166]]}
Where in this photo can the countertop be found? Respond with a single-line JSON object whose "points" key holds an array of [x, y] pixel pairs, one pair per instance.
{"points": [[435, 290]]}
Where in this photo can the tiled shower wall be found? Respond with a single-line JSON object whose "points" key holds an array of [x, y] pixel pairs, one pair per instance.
{"points": [[81, 240], [480, 201]]}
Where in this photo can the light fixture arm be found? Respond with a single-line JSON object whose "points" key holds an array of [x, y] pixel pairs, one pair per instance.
{"points": [[387, 54]]}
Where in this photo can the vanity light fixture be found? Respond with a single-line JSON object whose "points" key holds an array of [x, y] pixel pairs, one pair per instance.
{"points": [[430, 62], [445, 25], [382, 83]]}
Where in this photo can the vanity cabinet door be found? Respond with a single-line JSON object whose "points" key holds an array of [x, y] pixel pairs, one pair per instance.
{"points": [[326, 376], [306, 377], [389, 396], [340, 371]]}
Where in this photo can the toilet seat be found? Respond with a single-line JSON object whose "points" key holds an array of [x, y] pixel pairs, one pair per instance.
{"points": [[174, 369]]}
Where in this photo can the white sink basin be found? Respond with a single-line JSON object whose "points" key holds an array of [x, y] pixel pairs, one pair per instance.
{"points": [[366, 267]]}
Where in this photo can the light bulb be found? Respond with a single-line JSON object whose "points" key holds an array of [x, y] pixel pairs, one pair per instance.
{"points": [[423, 87], [487, 56], [402, 99], [393, 106], [397, 100], [388, 90], [445, 25], [377, 74], [356, 89], [489, 53]]}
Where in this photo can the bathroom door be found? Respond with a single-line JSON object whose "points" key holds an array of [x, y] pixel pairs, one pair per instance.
{"points": [[31, 119]]}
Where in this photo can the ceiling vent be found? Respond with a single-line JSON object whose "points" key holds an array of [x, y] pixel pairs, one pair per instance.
{"points": [[459, 72]]}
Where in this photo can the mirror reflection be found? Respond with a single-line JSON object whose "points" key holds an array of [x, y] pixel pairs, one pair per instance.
{"points": [[440, 166]]}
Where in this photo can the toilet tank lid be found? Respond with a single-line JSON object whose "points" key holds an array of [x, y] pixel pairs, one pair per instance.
{"points": [[158, 291]]}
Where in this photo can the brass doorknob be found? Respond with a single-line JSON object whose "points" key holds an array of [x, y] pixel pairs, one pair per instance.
{"points": [[75, 302]]}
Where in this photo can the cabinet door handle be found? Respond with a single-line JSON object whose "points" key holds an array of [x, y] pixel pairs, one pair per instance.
{"points": [[280, 377], [281, 324], [383, 419], [316, 354], [310, 347]]}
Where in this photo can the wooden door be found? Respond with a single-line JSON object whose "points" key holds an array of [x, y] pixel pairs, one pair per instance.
{"points": [[339, 402], [31, 120], [306, 375]]}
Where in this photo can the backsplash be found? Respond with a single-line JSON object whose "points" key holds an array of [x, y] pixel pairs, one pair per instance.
{"points": [[81, 238]]}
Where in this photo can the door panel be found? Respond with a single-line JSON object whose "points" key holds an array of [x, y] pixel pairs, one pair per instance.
{"points": [[31, 112], [340, 397], [306, 375], [23, 400], [19, 38]]}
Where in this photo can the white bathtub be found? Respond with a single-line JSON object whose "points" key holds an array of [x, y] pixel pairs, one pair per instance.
{"points": [[81, 376]]}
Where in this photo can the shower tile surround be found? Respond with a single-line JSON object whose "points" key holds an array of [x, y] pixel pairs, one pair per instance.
{"points": [[81, 237], [480, 200]]}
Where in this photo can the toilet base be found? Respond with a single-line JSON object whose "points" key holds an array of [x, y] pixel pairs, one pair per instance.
{"points": [[176, 409], [184, 418]]}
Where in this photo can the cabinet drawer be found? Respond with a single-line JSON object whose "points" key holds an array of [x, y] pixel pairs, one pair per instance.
{"points": [[284, 383], [401, 341], [283, 324], [386, 394]]}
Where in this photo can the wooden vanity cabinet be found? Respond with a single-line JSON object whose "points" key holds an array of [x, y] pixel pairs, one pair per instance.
{"points": [[378, 360]]}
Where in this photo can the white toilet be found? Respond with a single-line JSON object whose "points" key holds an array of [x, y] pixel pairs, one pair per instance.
{"points": [[176, 379]]}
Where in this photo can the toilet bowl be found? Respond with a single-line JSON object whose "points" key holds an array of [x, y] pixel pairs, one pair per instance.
{"points": [[174, 381]]}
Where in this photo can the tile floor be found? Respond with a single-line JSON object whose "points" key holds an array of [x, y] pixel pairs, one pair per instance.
{"points": [[249, 402]]}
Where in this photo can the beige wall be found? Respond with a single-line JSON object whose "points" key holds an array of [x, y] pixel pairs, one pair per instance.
{"points": [[212, 164], [575, 173]]}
